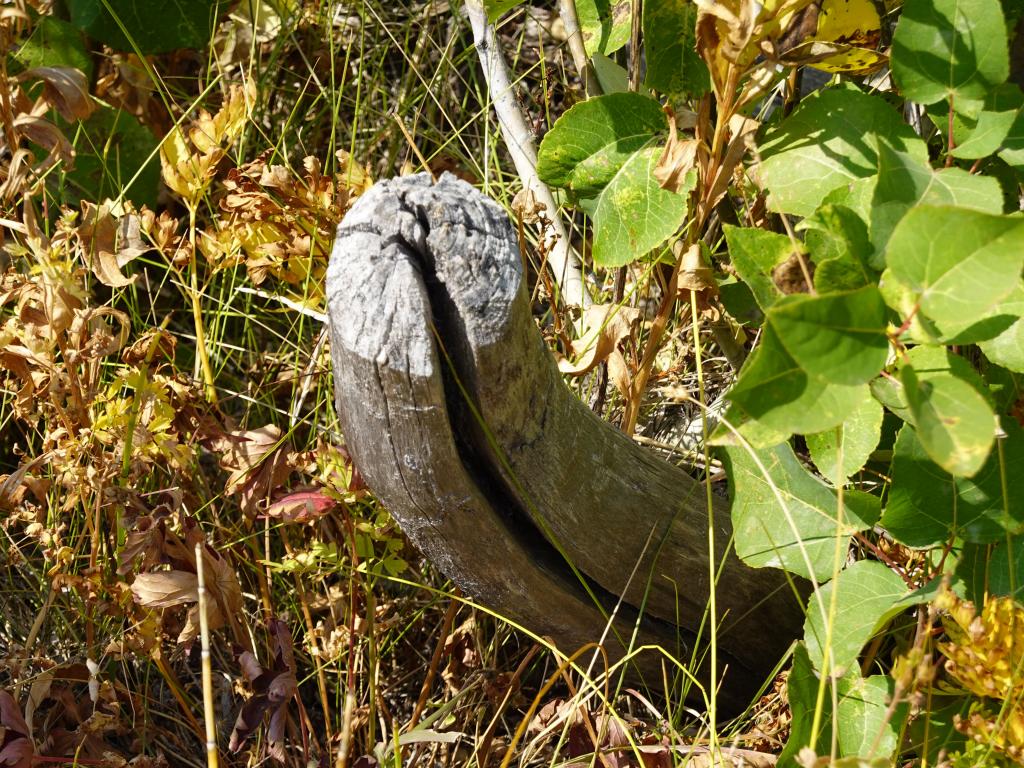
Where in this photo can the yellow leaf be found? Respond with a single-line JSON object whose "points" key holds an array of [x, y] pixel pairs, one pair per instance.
{"points": [[211, 134], [831, 35]]}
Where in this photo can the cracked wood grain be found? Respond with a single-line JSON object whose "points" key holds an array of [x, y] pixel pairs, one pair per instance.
{"points": [[456, 415]]}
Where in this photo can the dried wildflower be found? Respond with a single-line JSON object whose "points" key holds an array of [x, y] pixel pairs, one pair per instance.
{"points": [[188, 166], [279, 224], [985, 655], [986, 652]]}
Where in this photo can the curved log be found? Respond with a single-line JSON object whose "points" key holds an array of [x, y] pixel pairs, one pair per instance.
{"points": [[456, 415]]}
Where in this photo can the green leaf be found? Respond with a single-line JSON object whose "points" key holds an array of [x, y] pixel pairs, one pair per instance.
{"points": [[926, 505], [55, 43], [776, 392], [865, 726], [612, 77], [739, 301], [634, 214], [830, 139], [747, 429], [838, 240], [927, 361], [839, 337], [859, 436], [790, 519], [992, 569], [605, 24], [862, 722], [588, 145], [755, 253], [867, 596], [115, 154], [945, 49], [154, 26], [955, 424], [802, 692], [1007, 349], [1012, 152], [673, 65], [855, 195], [498, 8], [933, 734], [985, 134], [957, 265], [904, 182]]}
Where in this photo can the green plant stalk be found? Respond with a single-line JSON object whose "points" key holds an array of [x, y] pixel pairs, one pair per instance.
{"points": [[209, 713], [197, 310], [826, 652]]}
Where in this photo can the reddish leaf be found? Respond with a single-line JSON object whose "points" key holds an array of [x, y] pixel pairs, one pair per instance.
{"points": [[16, 748], [302, 506], [272, 689]]}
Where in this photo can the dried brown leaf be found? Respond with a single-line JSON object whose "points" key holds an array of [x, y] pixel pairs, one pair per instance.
{"points": [[694, 273], [679, 158], [605, 327], [741, 130], [48, 136], [272, 689], [16, 747], [109, 243], [65, 89], [162, 589]]}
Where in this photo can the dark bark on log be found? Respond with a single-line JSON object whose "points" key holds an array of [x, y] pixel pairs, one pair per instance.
{"points": [[456, 415]]}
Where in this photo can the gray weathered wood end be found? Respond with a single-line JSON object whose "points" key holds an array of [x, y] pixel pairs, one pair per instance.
{"points": [[455, 413]]}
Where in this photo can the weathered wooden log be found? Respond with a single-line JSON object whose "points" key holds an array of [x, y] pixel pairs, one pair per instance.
{"points": [[456, 415]]}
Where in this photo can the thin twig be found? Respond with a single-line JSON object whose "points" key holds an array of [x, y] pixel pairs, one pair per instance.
{"points": [[574, 37], [520, 143], [435, 661]]}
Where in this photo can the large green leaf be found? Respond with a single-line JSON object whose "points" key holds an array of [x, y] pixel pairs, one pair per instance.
{"points": [[737, 427], [927, 361], [1007, 349], [777, 393], [153, 26], [838, 337], [957, 265], [633, 214], [858, 435], [867, 595], [588, 145], [55, 43], [904, 181], [955, 424], [950, 49], [1012, 151], [926, 505], [611, 76], [866, 731], [605, 24], [755, 253], [673, 65], [865, 726], [802, 693], [789, 518], [830, 139], [992, 569], [984, 134]]}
